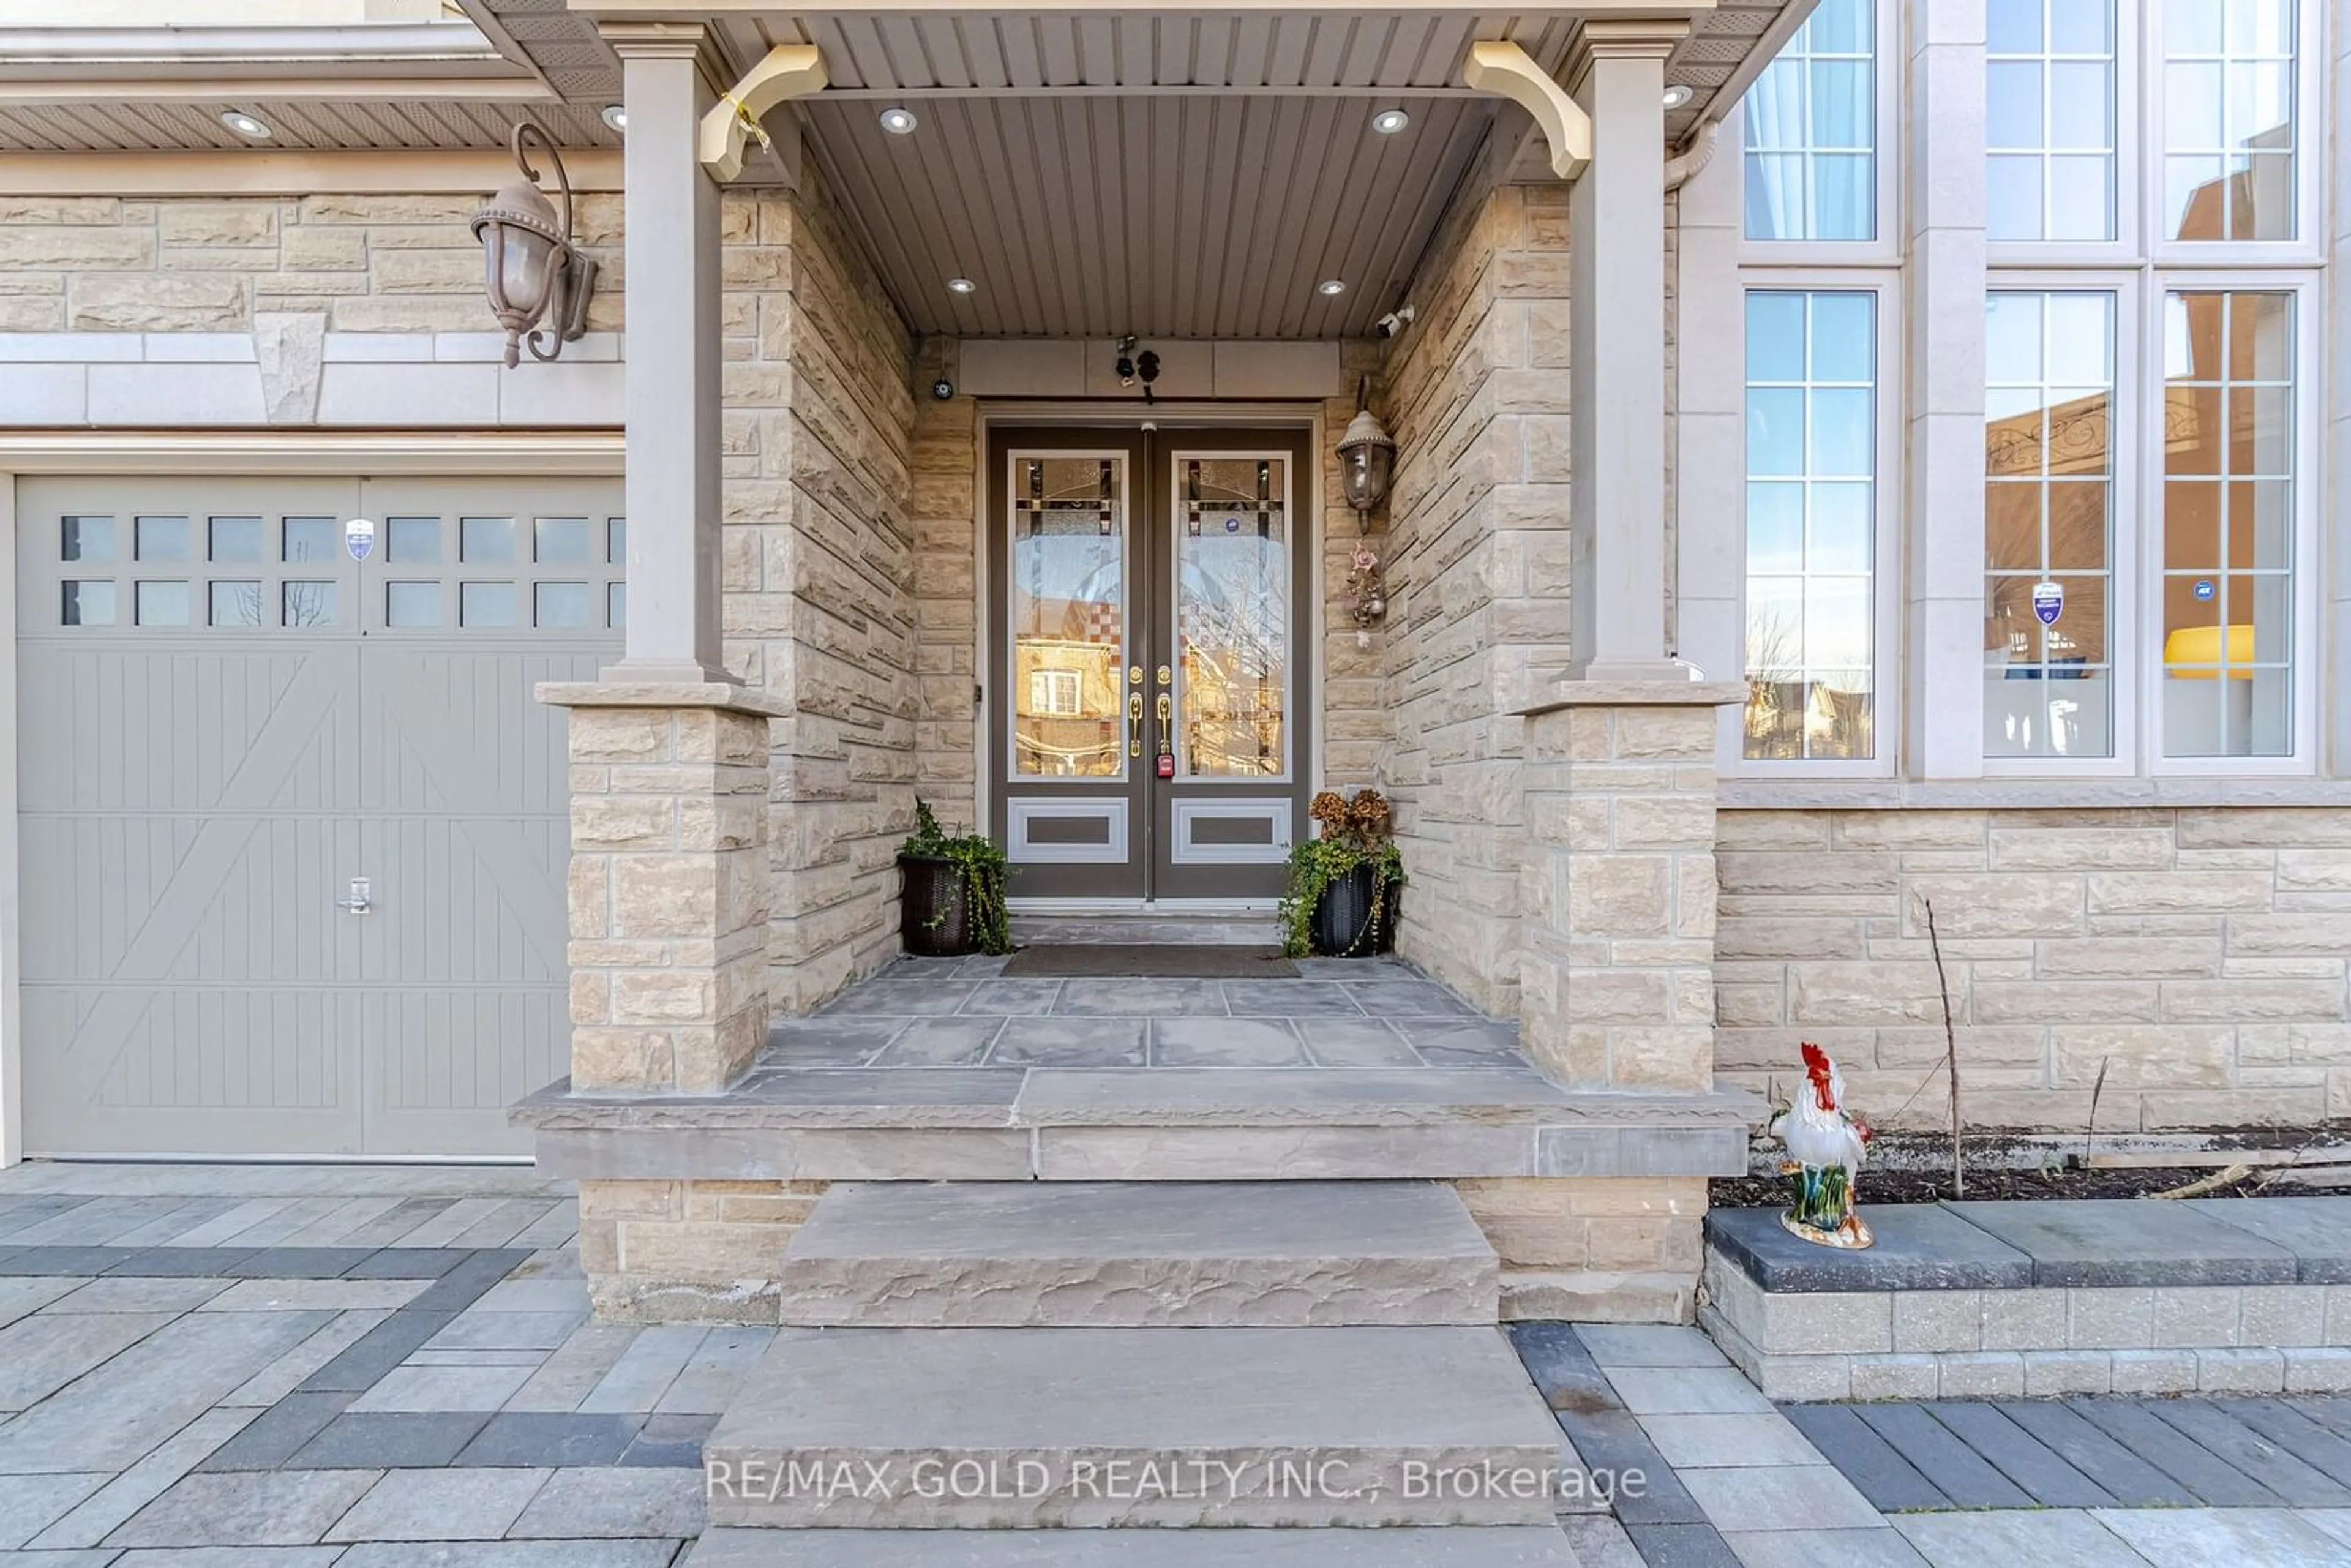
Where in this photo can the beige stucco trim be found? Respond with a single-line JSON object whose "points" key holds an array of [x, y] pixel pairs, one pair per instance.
{"points": [[284, 174], [303, 452]]}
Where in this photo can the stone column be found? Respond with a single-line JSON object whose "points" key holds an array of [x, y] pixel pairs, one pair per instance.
{"points": [[673, 350], [1618, 892], [668, 885], [1616, 306]]}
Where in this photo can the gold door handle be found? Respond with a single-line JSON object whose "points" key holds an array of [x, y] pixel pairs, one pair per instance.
{"points": [[1167, 707], [1134, 725]]}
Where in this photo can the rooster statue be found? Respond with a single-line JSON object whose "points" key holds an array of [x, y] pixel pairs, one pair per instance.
{"points": [[1826, 1146]]}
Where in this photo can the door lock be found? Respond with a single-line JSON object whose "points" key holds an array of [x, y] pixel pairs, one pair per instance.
{"points": [[1134, 722], [1167, 759], [362, 899]]}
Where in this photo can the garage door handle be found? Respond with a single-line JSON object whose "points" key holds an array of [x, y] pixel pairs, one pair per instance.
{"points": [[359, 902]]}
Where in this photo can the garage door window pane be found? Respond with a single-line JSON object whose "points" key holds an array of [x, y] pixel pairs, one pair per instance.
{"points": [[413, 539], [89, 604], [163, 539], [616, 540], [412, 605], [87, 538], [237, 539], [309, 539], [486, 603], [561, 604], [236, 604], [490, 539], [310, 605], [616, 604], [562, 541], [163, 604]]}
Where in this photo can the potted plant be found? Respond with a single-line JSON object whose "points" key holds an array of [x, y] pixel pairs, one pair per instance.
{"points": [[953, 899], [1344, 882]]}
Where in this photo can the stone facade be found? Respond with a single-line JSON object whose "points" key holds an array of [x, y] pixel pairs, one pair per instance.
{"points": [[820, 572], [380, 263], [688, 1251], [1618, 889], [948, 562], [668, 891], [1608, 1249], [2196, 956], [1478, 564]]}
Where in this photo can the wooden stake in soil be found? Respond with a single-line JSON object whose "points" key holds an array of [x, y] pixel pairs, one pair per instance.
{"points": [[1951, 1049]]}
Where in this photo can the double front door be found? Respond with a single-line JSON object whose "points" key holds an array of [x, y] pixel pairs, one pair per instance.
{"points": [[1147, 673]]}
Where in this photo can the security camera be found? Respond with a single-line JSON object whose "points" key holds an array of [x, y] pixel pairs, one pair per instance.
{"points": [[1395, 322]]}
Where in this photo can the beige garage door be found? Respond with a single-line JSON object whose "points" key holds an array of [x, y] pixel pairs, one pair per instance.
{"points": [[227, 723]]}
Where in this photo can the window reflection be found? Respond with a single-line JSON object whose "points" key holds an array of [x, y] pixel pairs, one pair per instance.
{"points": [[2048, 524], [2228, 524], [1811, 510], [2048, 123], [2228, 120], [1232, 614], [1067, 616]]}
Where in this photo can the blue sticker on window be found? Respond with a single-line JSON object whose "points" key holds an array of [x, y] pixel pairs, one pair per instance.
{"points": [[2048, 602], [2204, 590]]}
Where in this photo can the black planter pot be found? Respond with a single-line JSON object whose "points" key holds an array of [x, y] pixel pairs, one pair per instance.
{"points": [[933, 888], [1344, 925]]}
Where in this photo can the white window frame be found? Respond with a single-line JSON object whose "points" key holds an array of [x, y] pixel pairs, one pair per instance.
{"points": [[2128, 594], [1886, 677], [1049, 683], [1889, 35], [2313, 151], [2133, 123], [2309, 484]]}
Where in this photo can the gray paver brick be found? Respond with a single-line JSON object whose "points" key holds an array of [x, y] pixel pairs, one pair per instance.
{"points": [[1879, 1548], [551, 1442], [616, 1502], [2020, 1457], [2213, 1480], [30, 1504], [444, 1388], [41, 1353], [1648, 1344], [134, 1489], [2013, 1538], [512, 1555], [1958, 1471], [1681, 1546], [1890, 1480], [2132, 1481], [130, 1294], [1689, 1442], [440, 1505], [1781, 1497], [248, 1507], [2218, 1432], [1687, 1391], [645, 1369], [2185, 1537], [388, 1439]]}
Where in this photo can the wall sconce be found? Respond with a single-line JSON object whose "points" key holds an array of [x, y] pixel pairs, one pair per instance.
{"points": [[1367, 454], [531, 270]]}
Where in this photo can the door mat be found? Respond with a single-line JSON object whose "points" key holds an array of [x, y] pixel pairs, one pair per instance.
{"points": [[1167, 961]]}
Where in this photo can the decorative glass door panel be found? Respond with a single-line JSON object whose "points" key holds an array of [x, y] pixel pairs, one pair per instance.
{"points": [[1142, 685]]}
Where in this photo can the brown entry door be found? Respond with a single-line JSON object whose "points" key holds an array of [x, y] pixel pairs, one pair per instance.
{"points": [[1148, 679]]}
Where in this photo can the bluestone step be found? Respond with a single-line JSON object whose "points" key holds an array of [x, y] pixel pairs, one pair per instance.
{"points": [[1143, 1254], [1046, 1428], [1526, 1546]]}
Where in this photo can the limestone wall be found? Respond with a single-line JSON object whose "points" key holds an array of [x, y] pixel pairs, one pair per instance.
{"points": [[820, 573], [2198, 955], [948, 562], [370, 263], [1478, 548]]}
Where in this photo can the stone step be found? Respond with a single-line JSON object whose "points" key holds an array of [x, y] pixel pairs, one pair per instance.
{"points": [[1521, 1546], [1139, 1255], [1089, 1429]]}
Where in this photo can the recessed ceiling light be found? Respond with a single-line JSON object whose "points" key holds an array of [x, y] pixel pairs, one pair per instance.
{"points": [[615, 117], [245, 124], [899, 121], [1677, 96], [962, 286], [1388, 122], [1332, 288]]}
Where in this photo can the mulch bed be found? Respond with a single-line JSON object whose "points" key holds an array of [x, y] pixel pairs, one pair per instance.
{"points": [[1933, 1187]]}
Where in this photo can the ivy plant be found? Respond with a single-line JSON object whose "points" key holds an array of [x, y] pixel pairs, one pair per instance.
{"points": [[985, 870], [1355, 833]]}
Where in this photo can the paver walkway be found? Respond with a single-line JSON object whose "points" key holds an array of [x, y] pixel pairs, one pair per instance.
{"points": [[369, 1367], [1724, 1479]]}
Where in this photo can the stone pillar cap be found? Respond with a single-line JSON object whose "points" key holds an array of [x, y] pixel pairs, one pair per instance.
{"points": [[660, 693], [1636, 693]]}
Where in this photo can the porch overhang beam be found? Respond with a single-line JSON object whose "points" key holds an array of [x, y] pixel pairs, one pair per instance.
{"points": [[788, 71], [1503, 69], [709, 9]]}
